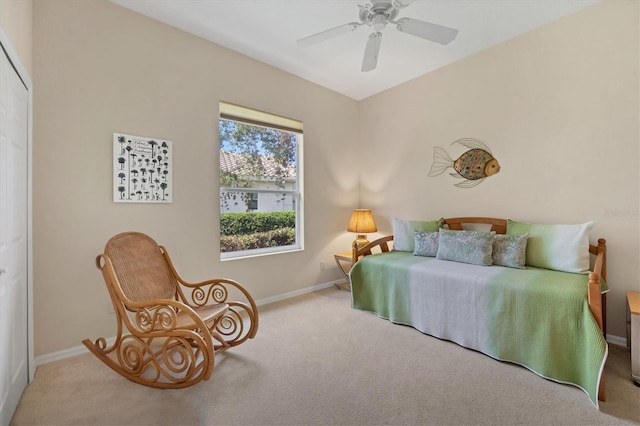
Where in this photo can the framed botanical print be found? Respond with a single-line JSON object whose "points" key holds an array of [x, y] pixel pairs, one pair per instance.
{"points": [[141, 169]]}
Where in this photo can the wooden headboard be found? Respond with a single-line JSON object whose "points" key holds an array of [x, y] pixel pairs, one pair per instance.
{"points": [[497, 225]]}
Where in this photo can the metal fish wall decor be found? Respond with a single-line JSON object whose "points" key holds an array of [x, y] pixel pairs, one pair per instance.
{"points": [[474, 166]]}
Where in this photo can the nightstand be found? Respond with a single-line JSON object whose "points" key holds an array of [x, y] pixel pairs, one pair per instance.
{"points": [[343, 260], [633, 333]]}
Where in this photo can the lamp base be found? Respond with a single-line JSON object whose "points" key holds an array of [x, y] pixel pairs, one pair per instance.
{"points": [[361, 241]]}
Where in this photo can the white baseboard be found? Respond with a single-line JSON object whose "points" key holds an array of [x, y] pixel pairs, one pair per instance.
{"points": [[81, 349], [617, 340], [65, 353], [295, 293]]}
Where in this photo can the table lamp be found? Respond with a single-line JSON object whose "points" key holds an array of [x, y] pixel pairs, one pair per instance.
{"points": [[361, 223]]}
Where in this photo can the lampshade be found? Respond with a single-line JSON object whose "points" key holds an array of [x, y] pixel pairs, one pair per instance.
{"points": [[362, 222]]}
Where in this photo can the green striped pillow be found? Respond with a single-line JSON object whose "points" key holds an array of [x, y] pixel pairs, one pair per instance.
{"points": [[559, 247]]}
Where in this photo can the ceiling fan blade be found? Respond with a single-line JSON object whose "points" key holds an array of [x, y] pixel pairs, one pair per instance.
{"points": [[327, 34], [370, 60], [427, 30], [404, 3]]}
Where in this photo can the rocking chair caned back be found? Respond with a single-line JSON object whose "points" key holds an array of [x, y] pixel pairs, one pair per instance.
{"points": [[141, 268]]}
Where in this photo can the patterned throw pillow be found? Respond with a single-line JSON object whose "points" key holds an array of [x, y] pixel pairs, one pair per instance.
{"points": [[510, 250], [466, 246], [426, 244], [404, 232]]}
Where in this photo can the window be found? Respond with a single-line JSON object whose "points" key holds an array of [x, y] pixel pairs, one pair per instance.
{"points": [[260, 182], [252, 201]]}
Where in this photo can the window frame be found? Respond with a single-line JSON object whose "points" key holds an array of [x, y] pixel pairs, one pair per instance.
{"points": [[245, 115], [254, 201]]}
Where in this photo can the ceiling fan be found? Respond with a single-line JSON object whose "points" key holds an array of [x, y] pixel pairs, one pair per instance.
{"points": [[377, 14]]}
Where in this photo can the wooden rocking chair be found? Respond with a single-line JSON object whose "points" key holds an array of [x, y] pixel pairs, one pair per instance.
{"points": [[168, 330]]}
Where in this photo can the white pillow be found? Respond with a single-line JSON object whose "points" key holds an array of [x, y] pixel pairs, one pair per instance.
{"points": [[559, 247], [404, 232]]}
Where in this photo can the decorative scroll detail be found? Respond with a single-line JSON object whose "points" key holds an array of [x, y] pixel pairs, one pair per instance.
{"points": [[236, 326], [230, 325], [166, 362], [101, 343], [217, 293], [156, 318], [131, 355], [175, 360]]}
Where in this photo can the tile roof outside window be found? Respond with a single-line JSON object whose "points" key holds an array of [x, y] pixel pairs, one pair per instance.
{"points": [[235, 162]]}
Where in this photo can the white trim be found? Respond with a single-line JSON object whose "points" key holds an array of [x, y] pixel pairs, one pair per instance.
{"points": [[26, 79], [81, 349], [66, 353], [300, 188], [242, 114], [15, 60], [617, 340], [295, 293], [267, 251]]}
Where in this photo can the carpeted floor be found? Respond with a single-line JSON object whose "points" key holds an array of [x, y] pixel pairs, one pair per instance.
{"points": [[316, 361]]}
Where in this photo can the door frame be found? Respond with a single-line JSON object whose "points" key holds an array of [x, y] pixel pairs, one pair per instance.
{"points": [[5, 44]]}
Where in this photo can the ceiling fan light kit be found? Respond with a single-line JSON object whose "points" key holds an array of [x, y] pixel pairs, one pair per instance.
{"points": [[377, 14]]}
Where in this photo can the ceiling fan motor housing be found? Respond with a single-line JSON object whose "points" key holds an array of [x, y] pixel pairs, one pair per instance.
{"points": [[378, 14]]}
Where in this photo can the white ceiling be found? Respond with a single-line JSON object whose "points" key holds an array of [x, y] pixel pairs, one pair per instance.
{"points": [[267, 30]]}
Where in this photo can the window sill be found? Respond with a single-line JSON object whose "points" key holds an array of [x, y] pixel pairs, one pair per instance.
{"points": [[247, 254]]}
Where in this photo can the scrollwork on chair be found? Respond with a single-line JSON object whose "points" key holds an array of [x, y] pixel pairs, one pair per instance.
{"points": [[153, 317], [173, 363], [231, 326], [215, 292], [238, 324], [156, 352]]}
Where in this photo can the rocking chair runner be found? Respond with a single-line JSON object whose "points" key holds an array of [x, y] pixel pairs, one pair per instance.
{"points": [[168, 330]]}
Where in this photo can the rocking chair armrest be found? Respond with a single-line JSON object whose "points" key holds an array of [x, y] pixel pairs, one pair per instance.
{"points": [[216, 289]]}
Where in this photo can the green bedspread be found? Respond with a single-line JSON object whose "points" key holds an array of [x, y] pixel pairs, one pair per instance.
{"points": [[537, 318]]}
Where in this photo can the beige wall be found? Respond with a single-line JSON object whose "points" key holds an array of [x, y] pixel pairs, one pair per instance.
{"points": [[100, 69], [559, 107], [16, 22]]}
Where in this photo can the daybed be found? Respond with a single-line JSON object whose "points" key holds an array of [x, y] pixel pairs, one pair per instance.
{"points": [[549, 321]]}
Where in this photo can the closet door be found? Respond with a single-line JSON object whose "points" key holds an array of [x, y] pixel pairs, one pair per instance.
{"points": [[13, 239]]}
